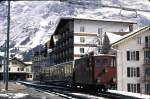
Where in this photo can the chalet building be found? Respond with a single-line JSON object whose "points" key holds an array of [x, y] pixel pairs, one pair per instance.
{"points": [[18, 70], [75, 37], [133, 61]]}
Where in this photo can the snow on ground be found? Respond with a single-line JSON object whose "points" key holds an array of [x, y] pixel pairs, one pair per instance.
{"points": [[138, 95], [87, 96], [14, 95]]}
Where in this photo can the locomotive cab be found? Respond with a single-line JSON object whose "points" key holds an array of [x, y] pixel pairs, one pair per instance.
{"points": [[105, 70]]}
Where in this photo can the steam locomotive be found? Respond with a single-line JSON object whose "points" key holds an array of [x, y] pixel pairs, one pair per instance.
{"points": [[89, 72]]}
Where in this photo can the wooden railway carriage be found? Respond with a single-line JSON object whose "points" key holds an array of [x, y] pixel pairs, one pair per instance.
{"points": [[61, 72], [89, 71]]}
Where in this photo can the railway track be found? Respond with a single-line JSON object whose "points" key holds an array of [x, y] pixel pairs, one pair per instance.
{"points": [[67, 92]]}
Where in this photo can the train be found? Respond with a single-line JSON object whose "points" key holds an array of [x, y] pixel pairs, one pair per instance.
{"points": [[92, 72]]}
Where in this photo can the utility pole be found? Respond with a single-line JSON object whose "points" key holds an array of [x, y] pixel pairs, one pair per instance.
{"points": [[4, 62], [7, 48]]}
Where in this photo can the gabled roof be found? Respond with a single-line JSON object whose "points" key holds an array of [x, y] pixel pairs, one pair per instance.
{"points": [[16, 59], [132, 34]]}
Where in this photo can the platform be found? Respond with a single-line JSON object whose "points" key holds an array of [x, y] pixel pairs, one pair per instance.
{"points": [[18, 91]]}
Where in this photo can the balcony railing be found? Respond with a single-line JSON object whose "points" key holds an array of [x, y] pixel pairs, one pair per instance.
{"points": [[147, 45], [147, 78], [147, 61]]}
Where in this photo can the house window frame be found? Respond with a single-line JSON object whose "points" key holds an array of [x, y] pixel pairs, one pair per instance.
{"points": [[139, 40], [82, 50], [82, 39], [82, 29]]}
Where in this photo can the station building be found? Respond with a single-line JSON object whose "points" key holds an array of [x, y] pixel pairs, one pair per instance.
{"points": [[18, 70]]}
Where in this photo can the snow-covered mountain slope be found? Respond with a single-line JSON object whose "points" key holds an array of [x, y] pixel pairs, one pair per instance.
{"points": [[32, 22]]}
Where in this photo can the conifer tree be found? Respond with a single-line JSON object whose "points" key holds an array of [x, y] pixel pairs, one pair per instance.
{"points": [[106, 45]]}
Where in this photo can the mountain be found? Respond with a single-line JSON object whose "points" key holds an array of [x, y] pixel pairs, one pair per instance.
{"points": [[32, 22]]}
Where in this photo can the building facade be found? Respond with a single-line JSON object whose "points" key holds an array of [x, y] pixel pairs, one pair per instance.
{"points": [[75, 37], [133, 61], [17, 70]]}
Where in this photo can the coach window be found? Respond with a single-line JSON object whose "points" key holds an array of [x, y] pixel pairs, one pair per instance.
{"points": [[97, 62], [105, 61]]}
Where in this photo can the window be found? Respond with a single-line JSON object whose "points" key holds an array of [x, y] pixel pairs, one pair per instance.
{"points": [[128, 72], [128, 55], [100, 31], [138, 40], [138, 71], [133, 87], [30, 76], [137, 55], [147, 71], [82, 39], [105, 61], [147, 88], [130, 28], [22, 69], [146, 56], [99, 50], [133, 55], [133, 72], [82, 29], [81, 50], [27, 69], [147, 41]]}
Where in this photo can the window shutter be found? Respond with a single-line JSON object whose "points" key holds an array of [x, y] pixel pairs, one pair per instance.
{"points": [[128, 71], [137, 55], [128, 85], [138, 71], [138, 88], [128, 56]]}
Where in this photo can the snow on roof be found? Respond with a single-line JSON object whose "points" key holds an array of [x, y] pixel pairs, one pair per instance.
{"points": [[137, 95], [129, 35], [113, 37], [104, 55], [96, 19]]}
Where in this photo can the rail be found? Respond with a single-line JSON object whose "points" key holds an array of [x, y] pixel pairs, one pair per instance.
{"points": [[66, 92]]}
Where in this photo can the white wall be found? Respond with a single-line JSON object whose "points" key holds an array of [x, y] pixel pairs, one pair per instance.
{"points": [[92, 26], [88, 39], [122, 63]]}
